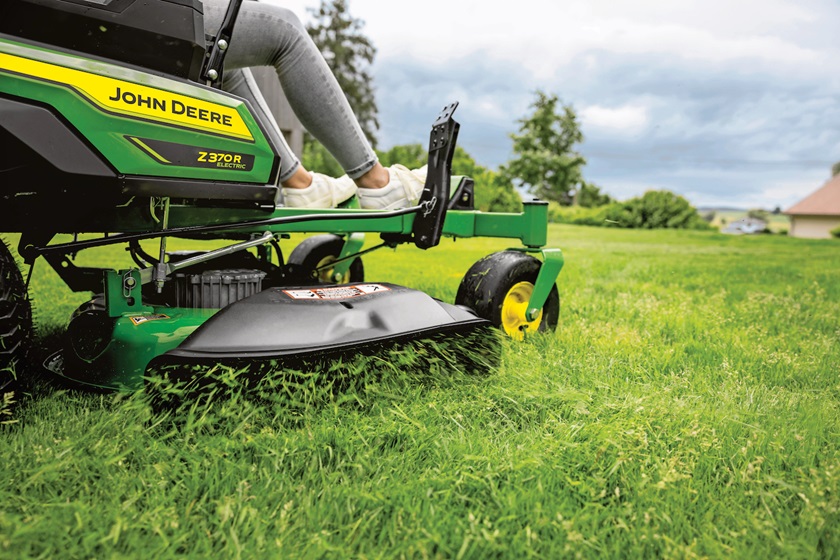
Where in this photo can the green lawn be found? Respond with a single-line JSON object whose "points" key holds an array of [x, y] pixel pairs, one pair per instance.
{"points": [[686, 407]]}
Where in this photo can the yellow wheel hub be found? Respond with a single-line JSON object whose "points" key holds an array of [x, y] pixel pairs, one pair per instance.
{"points": [[325, 271], [515, 310]]}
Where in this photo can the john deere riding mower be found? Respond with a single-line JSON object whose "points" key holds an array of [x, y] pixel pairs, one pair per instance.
{"points": [[113, 130]]}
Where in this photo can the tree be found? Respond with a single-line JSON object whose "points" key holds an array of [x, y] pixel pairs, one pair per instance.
{"points": [[589, 195], [758, 214], [349, 54], [708, 216], [547, 163]]}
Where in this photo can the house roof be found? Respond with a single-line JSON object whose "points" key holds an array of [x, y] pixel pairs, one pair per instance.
{"points": [[825, 201]]}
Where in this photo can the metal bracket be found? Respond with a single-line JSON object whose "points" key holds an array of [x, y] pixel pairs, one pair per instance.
{"points": [[29, 243], [123, 292], [463, 197], [160, 271], [552, 265], [211, 73], [434, 201]]}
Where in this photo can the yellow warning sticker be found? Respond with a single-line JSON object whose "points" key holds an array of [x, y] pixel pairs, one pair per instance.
{"points": [[139, 320], [338, 292], [135, 100]]}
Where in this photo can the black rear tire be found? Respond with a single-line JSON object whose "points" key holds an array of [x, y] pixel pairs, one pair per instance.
{"points": [[319, 252], [498, 288], [15, 320]]}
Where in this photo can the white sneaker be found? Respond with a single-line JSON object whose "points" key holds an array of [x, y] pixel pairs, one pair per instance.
{"points": [[403, 190], [324, 192]]}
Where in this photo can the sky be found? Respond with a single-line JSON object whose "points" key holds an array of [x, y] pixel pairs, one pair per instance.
{"points": [[726, 102]]}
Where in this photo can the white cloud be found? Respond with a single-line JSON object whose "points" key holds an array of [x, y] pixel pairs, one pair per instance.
{"points": [[694, 43], [627, 119], [726, 101], [543, 35], [787, 193]]}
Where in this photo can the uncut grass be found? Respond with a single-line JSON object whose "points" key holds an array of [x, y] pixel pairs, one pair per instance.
{"points": [[687, 406]]}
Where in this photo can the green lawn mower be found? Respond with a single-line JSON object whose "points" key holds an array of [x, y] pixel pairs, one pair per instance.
{"points": [[113, 129]]}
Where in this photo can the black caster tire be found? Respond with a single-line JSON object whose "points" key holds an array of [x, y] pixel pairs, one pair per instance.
{"points": [[498, 288], [319, 252]]}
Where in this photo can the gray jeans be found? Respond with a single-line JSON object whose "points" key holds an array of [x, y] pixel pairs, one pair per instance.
{"points": [[268, 35]]}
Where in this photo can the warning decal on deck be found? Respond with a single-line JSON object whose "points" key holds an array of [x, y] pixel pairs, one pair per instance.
{"points": [[146, 318], [337, 292]]}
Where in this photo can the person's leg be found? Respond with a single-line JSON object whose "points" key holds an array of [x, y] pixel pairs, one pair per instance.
{"points": [[268, 35], [240, 82], [300, 188]]}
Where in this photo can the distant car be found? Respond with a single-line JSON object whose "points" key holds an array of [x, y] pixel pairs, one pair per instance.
{"points": [[746, 226]]}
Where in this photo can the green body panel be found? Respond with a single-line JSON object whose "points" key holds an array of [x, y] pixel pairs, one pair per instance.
{"points": [[110, 132], [549, 271], [136, 339]]}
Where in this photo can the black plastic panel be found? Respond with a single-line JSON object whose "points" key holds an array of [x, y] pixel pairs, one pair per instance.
{"points": [[45, 134], [162, 35], [298, 321], [209, 190]]}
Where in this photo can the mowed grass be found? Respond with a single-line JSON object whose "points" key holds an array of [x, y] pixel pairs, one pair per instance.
{"points": [[687, 406]]}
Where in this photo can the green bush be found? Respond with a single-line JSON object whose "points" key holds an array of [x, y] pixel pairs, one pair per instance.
{"points": [[835, 232], [577, 215], [410, 155], [655, 210], [494, 193], [317, 158]]}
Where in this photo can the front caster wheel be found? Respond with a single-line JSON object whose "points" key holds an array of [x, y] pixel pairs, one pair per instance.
{"points": [[499, 287], [318, 253]]}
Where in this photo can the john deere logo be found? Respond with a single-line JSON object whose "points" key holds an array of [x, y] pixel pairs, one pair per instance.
{"points": [[172, 106], [134, 99]]}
